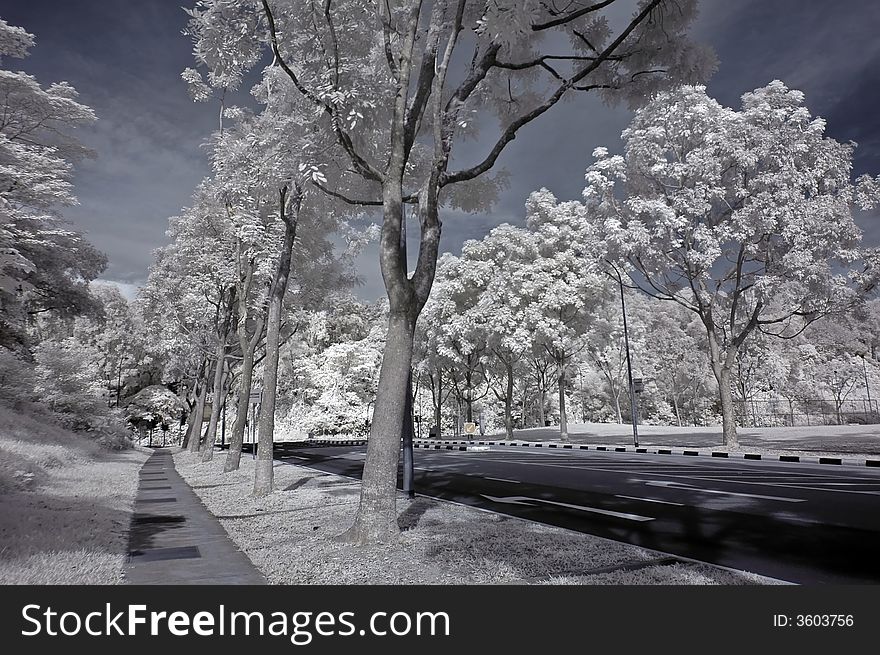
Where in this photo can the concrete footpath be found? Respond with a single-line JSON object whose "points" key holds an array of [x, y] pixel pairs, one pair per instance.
{"points": [[174, 539]]}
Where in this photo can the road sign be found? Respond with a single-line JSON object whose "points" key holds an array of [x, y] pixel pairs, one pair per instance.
{"points": [[256, 396], [470, 428]]}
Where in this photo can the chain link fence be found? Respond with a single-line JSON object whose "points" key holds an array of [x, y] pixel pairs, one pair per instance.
{"points": [[808, 411]]}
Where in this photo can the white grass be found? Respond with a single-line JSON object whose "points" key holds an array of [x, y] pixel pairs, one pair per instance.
{"points": [[65, 505], [290, 537]]}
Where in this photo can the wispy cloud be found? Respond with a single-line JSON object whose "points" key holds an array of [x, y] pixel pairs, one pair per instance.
{"points": [[125, 58]]}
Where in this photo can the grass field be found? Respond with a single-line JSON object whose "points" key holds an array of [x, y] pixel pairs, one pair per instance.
{"points": [[65, 504], [291, 537]]}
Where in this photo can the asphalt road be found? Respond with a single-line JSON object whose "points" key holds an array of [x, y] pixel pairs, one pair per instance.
{"points": [[809, 524]]}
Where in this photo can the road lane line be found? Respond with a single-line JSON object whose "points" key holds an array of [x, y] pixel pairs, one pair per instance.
{"points": [[669, 484], [606, 512], [651, 500], [683, 474], [524, 500], [502, 480], [794, 485]]}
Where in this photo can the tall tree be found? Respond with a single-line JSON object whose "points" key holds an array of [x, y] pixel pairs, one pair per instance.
{"points": [[44, 265], [564, 284], [744, 218], [496, 266], [395, 85]]}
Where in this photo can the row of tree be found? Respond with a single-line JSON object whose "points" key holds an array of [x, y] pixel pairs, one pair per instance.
{"points": [[742, 218], [67, 349]]}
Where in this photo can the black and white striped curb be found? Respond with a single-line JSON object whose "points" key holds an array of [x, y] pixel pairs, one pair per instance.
{"points": [[324, 442], [462, 445], [433, 444]]}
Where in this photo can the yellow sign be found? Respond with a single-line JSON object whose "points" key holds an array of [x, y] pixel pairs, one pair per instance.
{"points": [[470, 428]]}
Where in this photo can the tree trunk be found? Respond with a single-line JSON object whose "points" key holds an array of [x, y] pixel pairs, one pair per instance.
{"points": [[438, 406], [264, 473], [191, 406], [508, 403], [677, 412], [376, 520], [236, 441], [728, 413], [541, 417], [563, 417], [196, 436], [211, 434], [616, 396], [248, 344], [469, 398]]}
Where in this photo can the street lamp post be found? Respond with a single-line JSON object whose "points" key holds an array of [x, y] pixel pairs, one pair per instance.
{"points": [[407, 436], [629, 373], [867, 388]]}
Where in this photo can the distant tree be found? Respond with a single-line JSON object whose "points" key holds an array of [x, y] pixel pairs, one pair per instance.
{"points": [[45, 266], [563, 286], [153, 406], [495, 267], [674, 352], [744, 218]]}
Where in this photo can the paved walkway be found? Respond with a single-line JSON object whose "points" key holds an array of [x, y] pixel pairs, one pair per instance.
{"points": [[174, 539]]}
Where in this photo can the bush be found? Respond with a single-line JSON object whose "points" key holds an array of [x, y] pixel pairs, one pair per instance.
{"points": [[66, 381], [16, 379]]}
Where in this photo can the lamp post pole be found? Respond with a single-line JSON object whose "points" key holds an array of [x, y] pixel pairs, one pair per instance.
{"points": [[629, 373], [407, 436]]}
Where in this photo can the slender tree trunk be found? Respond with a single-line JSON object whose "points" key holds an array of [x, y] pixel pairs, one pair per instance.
{"points": [[563, 417], [191, 406], [376, 520], [469, 398], [677, 412], [236, 441], [195, 438], [508, 403], [211, 434], [438, 406], [616, 395], [248, 344], [190, 422], [723, 360], [728, 413], [264, 474], [541, 417]]}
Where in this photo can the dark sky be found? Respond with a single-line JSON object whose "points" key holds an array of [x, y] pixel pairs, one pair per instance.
{"points": [[125, 59]]}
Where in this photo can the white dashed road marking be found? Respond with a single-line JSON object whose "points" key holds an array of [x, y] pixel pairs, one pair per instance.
{"points": [[651, 500], [525, 500], [688, 487]]}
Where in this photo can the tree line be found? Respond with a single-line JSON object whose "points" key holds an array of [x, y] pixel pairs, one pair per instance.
{"points": [[735, 226]]}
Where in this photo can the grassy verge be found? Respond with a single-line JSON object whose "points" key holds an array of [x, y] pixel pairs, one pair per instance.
{"points": [[65, 504], [290, 537]]}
